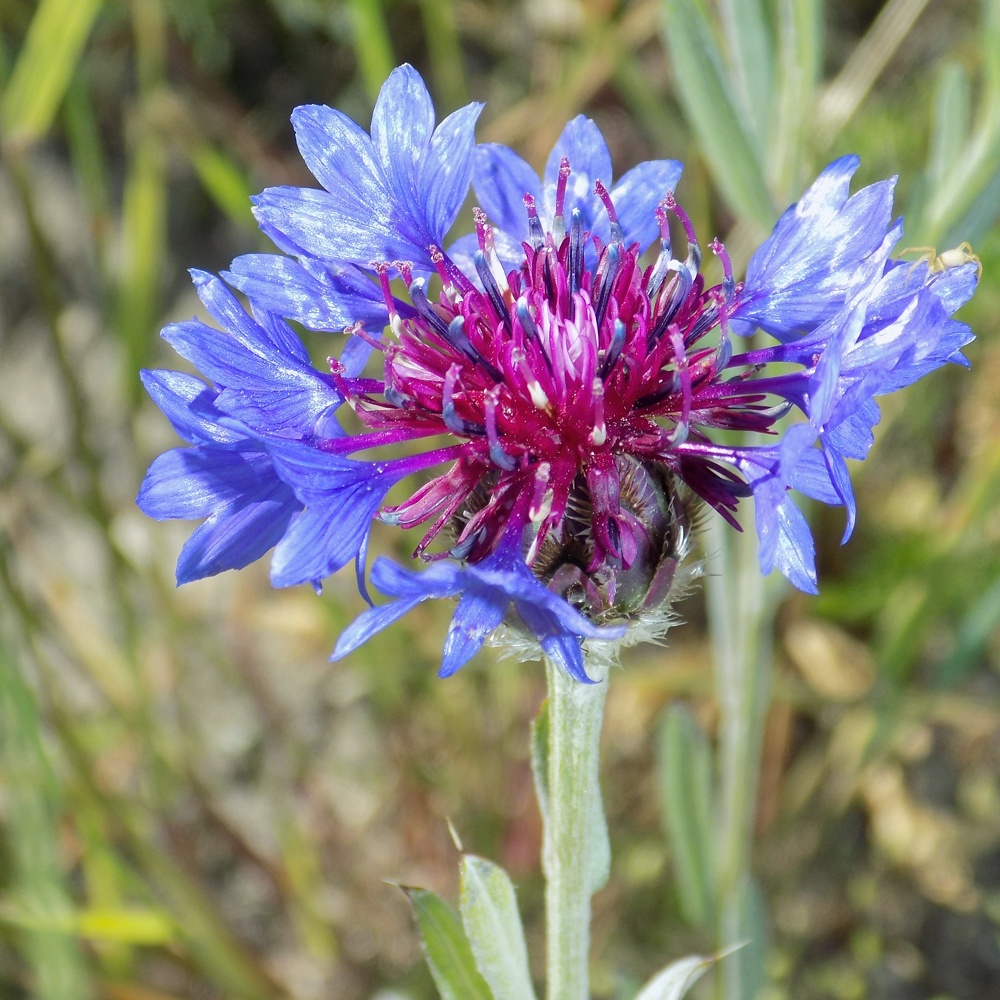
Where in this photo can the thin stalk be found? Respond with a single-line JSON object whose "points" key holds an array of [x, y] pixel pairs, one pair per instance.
{"points": [[739, 612], [572, 835]]}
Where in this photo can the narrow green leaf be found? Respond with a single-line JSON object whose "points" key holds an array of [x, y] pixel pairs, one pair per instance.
{"points": [[676, 979], [684, 768], [493, 926], [445, 51], [751, 77], [224, 182], [800, 58], [978, 220], [975, 630], [44, 66], [989, 41], [83, 138], [973, 169], [36, 879], [144, 200], [446, 948], [130, 925], [372, 44], [950, 123], [144, 222], [712, 113], [745, 925]]}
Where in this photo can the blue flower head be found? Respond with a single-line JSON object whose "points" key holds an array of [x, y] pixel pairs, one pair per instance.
{"points": [[563, 404]]}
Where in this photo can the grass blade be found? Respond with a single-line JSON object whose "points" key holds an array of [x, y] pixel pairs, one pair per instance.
{"points": [[951, 123], [684, 767], [800, 60], [712, 114], [32, 835], [748, 44], [44, 67], [372, 44], [224, 183]]}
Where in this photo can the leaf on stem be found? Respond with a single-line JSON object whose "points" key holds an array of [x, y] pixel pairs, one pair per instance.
{"points": [[493, 926], [446, 948], [676, 979]]}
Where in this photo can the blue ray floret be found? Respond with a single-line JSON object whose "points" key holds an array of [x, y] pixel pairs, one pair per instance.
{"points": [[386, 196], [563, 405]]}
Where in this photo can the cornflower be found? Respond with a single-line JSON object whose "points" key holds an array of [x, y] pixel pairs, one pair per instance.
{"points": [[566, 404]]}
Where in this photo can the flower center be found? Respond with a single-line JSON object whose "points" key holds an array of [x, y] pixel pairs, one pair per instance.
{"points": [[561, 378]]}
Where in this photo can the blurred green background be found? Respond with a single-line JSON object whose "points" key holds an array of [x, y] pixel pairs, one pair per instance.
{"points": [[193, 802]]}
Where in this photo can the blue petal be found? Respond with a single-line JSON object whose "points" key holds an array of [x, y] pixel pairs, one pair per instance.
{"points": [[479, 613], [310, 222], [190, 483], [502, 179], [812, 477], [226, 310], [247, 505], [279, 335], [370, 622], [637, 195], [388, 197], [261, 388], [795, 553], [561, 646], [589, 160], [235, 536], [402, 123], [340, 155], [189, 405], [446, 169], [340, 495], [442, 580], [319, 298], [487, 590], [801, 274]]}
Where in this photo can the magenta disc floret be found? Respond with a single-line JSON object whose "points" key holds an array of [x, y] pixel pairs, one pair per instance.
{"points": [[572, 389]]}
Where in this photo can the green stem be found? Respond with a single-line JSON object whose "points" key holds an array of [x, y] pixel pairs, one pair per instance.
{"points": [[574, 846]]}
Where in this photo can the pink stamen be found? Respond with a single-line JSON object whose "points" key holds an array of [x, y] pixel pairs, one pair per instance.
{"points": [[720, 251], [491, 401], [681, 360], [602, 192], [664, 221], [437, 258], [599, 434], [670, 203], [539, 508], [382, 270], [447, 269], [358, 330], [564, 172], [405, 268], [448, 389], [529, 204], [484, 231]]}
